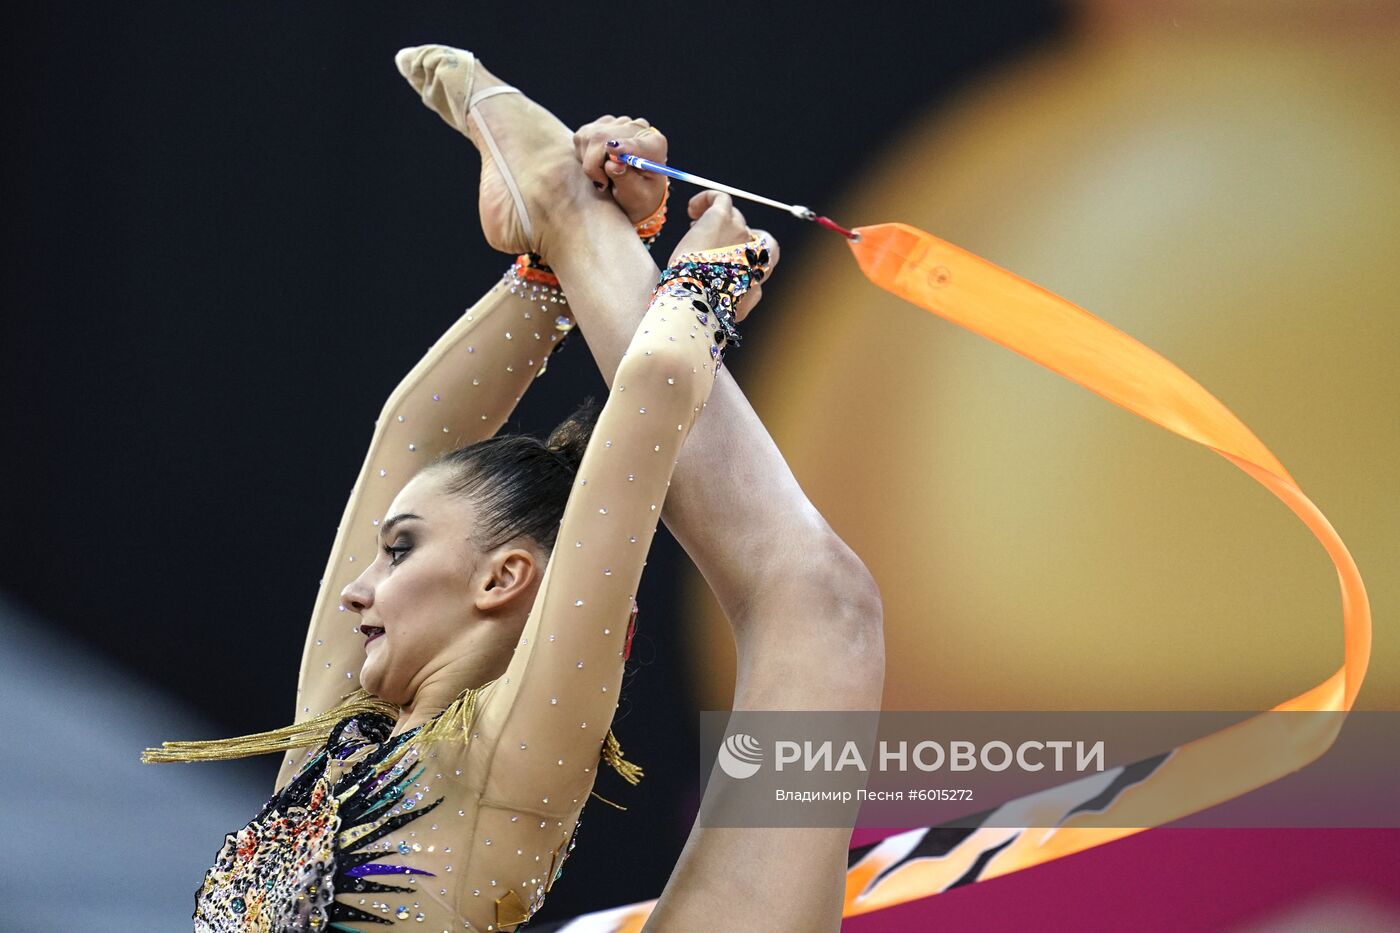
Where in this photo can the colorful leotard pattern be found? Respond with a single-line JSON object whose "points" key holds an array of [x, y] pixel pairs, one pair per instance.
{"points": [[465, 823], [302, 834]]}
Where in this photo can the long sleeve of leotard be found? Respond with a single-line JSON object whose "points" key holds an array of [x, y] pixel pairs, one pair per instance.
{"points": [[505, 799], [556, 699], [462, 391]]}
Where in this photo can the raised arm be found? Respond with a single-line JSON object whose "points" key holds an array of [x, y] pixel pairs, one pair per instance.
{"points": [[463, 390], [557, 698]]}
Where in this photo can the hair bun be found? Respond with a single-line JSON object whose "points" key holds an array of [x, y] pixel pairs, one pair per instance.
{"points": [[569, 439]]}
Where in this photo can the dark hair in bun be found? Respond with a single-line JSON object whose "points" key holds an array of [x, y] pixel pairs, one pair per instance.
{"points": [[519, 484], [569, 439]]}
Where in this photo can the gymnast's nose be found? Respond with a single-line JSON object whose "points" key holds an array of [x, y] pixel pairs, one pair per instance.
{"points": [[357, 595]]}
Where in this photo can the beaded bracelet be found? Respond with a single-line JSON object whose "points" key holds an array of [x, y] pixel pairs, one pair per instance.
{"points": [[531, 280], [649, 227]]}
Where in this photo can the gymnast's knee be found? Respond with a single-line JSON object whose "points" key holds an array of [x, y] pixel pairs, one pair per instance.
{"points": [[825, 590]]}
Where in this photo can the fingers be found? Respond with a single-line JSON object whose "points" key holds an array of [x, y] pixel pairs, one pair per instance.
{"points": [[649, 143], [590, 146], [721, 216], [630, 135], [701, 203], [717, 223], [722, 220], [594, 157]]}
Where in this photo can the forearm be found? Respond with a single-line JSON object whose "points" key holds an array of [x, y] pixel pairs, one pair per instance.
{"points": [[470, 380]]}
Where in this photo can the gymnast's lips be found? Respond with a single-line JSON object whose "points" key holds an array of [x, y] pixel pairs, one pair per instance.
{"points": [[371, 632]]}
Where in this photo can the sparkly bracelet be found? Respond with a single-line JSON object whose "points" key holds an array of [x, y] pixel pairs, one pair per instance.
{"points": [[531, 280], [530, 273], [715, 280], [649, 227]]}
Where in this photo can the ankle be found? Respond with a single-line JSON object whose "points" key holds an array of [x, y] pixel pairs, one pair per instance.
{"points": [[570, 210]]}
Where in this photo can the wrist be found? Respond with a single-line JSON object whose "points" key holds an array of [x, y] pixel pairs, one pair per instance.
{"points": [[649, 227], [714, 281], [531, 280]]}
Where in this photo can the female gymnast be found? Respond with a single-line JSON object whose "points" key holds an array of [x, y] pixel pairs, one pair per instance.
{"points": [[466, 648]]}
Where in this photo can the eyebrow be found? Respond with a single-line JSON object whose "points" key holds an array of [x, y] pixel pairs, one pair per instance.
{"points": [[401, 517]]}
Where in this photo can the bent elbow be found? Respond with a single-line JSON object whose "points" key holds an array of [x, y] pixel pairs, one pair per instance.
{"points": [[668, 370]]}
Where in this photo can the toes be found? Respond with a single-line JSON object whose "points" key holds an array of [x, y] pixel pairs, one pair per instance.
{"points": [[404, 61], [420, 63], [414, 64]]}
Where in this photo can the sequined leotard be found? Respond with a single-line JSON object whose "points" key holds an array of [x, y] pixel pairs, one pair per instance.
{"points": [[470, 833]]}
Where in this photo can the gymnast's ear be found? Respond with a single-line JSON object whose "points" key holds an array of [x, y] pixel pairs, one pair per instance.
{"points": [[508, 576]]}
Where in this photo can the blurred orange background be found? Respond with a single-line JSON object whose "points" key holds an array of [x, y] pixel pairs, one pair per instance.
{"points": [[1222, 185]]}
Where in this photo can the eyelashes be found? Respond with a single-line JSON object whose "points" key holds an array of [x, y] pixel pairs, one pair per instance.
{"points": [[397, 553]]}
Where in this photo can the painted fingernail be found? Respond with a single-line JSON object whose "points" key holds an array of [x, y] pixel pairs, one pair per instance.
{"points": [[613, 143]]}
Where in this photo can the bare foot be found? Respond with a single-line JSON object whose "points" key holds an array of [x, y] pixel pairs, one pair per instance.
{"points": [[535, 147]]}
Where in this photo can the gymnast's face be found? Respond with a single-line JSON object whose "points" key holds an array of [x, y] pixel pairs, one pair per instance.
{"points": [[438, 614]]}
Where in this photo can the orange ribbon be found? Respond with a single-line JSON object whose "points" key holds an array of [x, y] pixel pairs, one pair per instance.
{"points": [[1045, 328]]}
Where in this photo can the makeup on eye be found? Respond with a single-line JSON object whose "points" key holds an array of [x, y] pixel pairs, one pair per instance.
{"points": [[398, 551], [389, 524]]}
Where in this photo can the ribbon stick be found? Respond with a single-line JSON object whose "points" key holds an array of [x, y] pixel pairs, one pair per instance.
{"points": [[670, 171], [975, 294]]}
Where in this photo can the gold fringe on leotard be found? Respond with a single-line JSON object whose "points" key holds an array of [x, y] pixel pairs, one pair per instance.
{"points": [[306, 734], [612, 756], [455, 721]]}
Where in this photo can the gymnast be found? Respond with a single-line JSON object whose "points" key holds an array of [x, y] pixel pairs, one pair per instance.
{"points": [[466, 649]]}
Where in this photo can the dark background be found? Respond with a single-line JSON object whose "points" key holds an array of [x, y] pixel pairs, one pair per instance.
{"points": [[232, 228]]}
